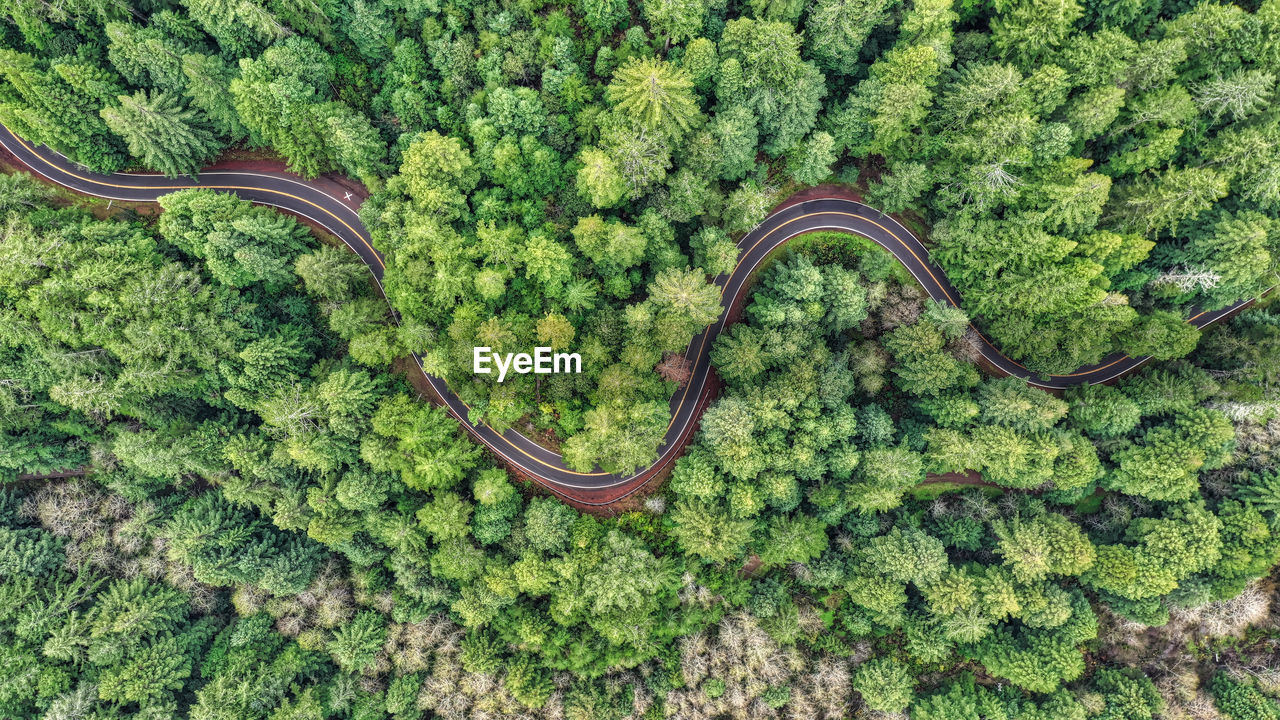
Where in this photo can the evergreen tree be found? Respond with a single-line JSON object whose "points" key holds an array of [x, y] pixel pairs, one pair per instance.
{"points": [[655, 94], [162, 133]]}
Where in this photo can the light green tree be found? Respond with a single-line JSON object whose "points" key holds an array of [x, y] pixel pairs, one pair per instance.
{"points": [[655, 94]]}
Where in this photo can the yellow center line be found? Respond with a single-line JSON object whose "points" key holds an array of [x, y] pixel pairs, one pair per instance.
{"points": [[940, 286], [207, 187]]}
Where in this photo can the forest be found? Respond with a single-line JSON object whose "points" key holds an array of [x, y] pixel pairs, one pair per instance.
{"points": [[221, 497], [572, 175]]}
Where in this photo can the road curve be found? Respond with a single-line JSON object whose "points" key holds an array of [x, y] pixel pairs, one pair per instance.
{"points": [[340, 217]]}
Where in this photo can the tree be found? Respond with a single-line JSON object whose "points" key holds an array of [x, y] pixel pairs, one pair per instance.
{"points": [[810, 163], [306, 706], [446, 517], [20, 191], [1044, 545], [547, 524], [885, 684], [885, 110], [1162, 551], [1153, 204], [421, 443], [1102, 411], [609, 243], [683, 303], [356, 146], [497, 504], [371, 30], [209, 87], [695, 475], [124, 333], [407, 92], [362, 490], [240, 243], [556, 331], [837, 29], [170, 455], [1262, 491], [1230, 260], [794, 539], [656, 94], [875, 426], [600, 179], [1028, 30], [728, 427], [923, 366], [1036, 660], [676, 20], [331, 273], [700, 59], [1164, 466], [641, 156], [626, 586], [281, 98], [1014, 403], [151, 56], [950, 319], [603, 14], [29, 552], [736, 137], [958, 700], [1238, 94], [528, 684], [355, 644], [714, 251], [162, 133], [783, 91], [252, 670], [738, 355], [526, 167], [1161, 334], [1090, 114], [59, 108], [148, 675], [705, 530], [548, 262], [226, 545], [241, 29], [1240, 701], [436, 173], [845, 299], [746, 207], [906, 556], [617, 437], [686, 196], [883, 475], [899, 190]]}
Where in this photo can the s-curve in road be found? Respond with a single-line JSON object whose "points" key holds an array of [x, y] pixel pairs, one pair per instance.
{"points": [[295, 195]]}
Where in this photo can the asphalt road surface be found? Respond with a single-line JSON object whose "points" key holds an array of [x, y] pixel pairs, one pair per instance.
{"points": [[339, 216]]}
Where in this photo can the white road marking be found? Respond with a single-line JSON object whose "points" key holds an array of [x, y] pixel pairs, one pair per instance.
{"points": [[442, 388]]}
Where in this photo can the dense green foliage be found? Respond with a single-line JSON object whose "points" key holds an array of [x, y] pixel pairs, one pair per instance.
{"points": [[256, 519], [569, 174], [356, 556]]}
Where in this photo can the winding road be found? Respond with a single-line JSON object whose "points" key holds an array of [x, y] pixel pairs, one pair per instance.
{"points": [[339, 216]]}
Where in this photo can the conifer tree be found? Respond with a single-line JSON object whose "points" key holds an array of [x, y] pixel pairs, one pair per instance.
{"points": [[162, 132], [656, 94]]}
